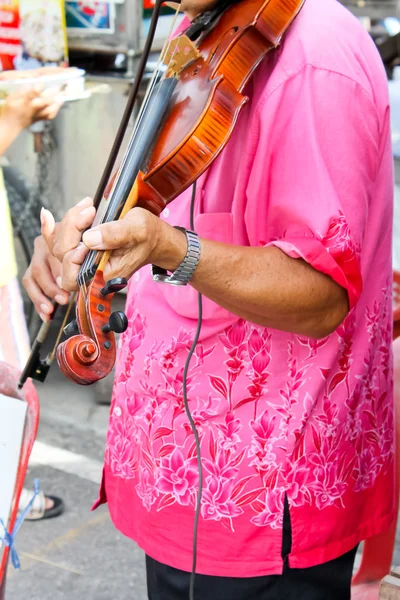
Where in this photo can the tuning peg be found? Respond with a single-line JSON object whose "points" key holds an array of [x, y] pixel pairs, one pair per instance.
{"points": [[117, 323], [114, 285], [71, 329]]}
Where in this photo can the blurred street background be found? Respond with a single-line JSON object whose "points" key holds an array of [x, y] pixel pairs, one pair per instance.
{"points": [[79, 555]]}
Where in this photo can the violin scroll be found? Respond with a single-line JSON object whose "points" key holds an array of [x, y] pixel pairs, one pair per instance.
{"points": [[90, 356]]}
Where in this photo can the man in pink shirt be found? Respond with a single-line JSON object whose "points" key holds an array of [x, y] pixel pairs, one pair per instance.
{"points": [[290, 385]]}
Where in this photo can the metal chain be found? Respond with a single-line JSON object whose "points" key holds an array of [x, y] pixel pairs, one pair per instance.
{"points": [[44, 169], [40, 191]]}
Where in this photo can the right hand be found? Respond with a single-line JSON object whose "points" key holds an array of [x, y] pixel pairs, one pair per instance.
{"points": [[30, 105], [42, 280]]}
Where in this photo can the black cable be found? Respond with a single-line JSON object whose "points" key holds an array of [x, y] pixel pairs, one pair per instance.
{"points": [[190, 418]]}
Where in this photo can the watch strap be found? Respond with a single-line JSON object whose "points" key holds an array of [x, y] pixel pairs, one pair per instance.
{"points": [[184, 273]]}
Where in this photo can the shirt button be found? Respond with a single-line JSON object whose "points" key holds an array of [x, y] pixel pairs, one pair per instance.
{"points": [[166, 212]]}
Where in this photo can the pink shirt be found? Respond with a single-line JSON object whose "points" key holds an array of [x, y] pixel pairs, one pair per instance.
{"points": [[308, 169]]}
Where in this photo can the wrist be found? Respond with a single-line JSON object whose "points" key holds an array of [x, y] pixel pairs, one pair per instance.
{"points": [[171, 247]]}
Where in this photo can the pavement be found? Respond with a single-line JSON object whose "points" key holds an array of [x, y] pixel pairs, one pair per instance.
{"points": [[80, 555]]}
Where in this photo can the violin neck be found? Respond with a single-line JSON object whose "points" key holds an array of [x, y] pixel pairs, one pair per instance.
{"points": [[150, 123], [144, 136]]}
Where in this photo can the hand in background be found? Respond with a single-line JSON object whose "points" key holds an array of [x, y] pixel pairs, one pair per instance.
{"points": [[30, 105]]}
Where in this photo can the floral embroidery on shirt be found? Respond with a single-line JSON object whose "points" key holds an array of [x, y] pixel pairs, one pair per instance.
{"points": [[311, 429]]}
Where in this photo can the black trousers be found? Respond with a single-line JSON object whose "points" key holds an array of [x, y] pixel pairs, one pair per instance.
{"points": [[329, 581]]}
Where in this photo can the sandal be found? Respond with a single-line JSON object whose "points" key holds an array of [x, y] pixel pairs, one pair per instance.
{"points": [[39, 510]]}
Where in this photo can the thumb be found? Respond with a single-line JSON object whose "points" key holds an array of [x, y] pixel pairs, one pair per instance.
{"points": [[108, 236]]}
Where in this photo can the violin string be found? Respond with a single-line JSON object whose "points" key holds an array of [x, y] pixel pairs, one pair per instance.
{"points": [[91, 256], [140, 126], [139, 129], [138, 132], [152, 83], [89, 261], [156, 71], [82, 283]]}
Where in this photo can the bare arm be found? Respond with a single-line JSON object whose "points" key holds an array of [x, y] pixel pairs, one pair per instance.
{"points": [[263, 285]]}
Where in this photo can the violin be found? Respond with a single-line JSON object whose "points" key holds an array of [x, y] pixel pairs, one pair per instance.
{"points": [[186, 120]]}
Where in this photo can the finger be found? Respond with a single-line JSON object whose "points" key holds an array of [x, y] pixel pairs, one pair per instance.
{"points": [[123, 264], [56, 270], [50, 93], [37, 106], [71, 266], [50, 112], [53, 110], [42, 304], [114, 269], [28, 94], [38, 89], [43, 277], [69, 233], [48, 227], [39, 103]]}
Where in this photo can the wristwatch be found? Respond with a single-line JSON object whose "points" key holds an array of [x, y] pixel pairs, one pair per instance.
{"points": [[184, 273]]}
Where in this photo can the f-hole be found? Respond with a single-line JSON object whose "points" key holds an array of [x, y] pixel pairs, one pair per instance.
{"points": [[231, 31]]}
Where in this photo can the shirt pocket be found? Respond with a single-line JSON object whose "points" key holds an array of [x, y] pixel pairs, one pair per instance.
{"points": [[217, 227]]}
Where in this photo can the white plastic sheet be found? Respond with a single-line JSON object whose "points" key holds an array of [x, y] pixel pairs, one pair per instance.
{"points": [[12, 425]]}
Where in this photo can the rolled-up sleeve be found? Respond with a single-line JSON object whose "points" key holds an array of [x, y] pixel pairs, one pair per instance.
{"points": [[313, 167]]}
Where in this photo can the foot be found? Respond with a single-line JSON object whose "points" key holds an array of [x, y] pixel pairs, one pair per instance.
{"points": [[44, 507]]}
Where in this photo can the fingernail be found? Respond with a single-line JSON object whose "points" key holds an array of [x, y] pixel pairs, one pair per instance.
{"points": [[60, 299], [43, 214], [59, 281], [93, 238], [46, 218], [45, 308], [84, 201]]}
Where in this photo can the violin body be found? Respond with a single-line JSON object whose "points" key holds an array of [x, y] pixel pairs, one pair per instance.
{"points": [[208, 97], [193, 126]]}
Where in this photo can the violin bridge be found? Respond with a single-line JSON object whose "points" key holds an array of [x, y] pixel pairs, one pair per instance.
{"points": [[179, 53]]}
